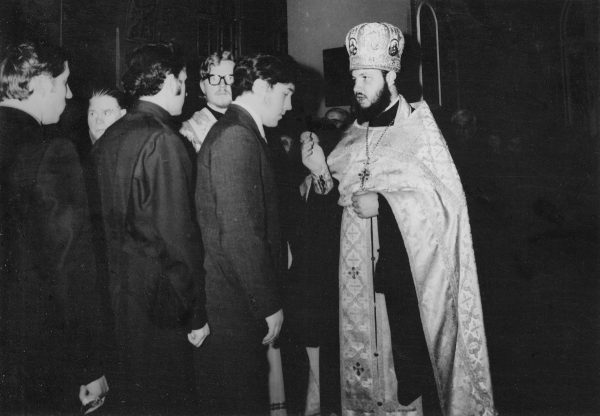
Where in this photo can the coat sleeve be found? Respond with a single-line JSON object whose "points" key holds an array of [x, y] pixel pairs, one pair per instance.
{"points": [[66, 255], [163, 189], [237, 186]]}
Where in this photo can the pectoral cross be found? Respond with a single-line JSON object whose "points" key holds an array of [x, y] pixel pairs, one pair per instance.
{"points": [[364, 176]]}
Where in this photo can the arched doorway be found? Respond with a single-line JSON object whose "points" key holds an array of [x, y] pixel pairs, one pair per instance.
{"points": [[428, 38]]}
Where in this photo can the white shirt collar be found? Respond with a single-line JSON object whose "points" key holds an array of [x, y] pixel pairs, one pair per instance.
{"points": [[255, 117]]}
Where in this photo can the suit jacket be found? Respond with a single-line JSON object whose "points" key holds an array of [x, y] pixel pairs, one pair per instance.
{"points": [[145, 182], [236, 201], [50, 309]]}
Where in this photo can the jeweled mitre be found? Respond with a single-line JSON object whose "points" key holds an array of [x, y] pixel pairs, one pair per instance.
{"points": [[375, 46]]}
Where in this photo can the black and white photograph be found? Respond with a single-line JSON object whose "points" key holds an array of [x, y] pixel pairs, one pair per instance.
{"points": [[300, 207]]}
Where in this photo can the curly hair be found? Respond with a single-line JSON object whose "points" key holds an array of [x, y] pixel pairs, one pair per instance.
{"points": [[214, 60], [148, 68], [266, 67], [26, 61]]}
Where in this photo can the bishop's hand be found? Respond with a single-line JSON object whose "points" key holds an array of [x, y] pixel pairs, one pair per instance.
{"points": [[312, 153], [365, 204]]}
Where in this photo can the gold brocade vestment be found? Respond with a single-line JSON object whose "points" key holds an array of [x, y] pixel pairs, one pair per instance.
{"points": [[412, 168]]}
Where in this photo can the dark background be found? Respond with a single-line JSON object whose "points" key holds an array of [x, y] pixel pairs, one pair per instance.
{"points": [[525, 74]]}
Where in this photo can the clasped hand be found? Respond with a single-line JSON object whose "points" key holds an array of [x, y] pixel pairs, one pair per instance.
{"points": [[365, 204], [197, 336], [92, 395], [274, 322]]}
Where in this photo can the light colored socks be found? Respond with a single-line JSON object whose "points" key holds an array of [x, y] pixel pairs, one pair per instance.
{"points": [[313, 392], [276, 387]]}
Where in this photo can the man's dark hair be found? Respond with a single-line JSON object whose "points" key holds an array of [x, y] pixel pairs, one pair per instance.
{"points": [[266, 67], [26, 61], [148, 68]]}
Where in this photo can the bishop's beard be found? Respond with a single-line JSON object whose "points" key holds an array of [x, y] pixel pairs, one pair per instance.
{"points": [[382, 101]]}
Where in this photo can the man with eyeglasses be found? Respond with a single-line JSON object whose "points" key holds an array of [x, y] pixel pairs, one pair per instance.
{"points": [[216, 77]]}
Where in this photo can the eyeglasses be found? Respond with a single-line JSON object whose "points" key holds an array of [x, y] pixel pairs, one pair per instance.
{"points": [[214, 79]]}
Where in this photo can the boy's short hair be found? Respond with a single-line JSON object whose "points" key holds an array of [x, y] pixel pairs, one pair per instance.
{"points": [[114, 93], [148, 68], [266, 67]]}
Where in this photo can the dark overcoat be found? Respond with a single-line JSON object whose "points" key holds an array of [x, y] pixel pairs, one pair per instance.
{"points": [[236, 202], [154, 255], [50, 310]]}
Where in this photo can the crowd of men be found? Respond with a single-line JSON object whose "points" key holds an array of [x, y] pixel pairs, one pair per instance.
{"points": [[150, 271]]}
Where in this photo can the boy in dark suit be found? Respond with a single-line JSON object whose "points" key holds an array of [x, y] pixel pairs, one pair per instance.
{"points": [[236, 202], [154, 248]]}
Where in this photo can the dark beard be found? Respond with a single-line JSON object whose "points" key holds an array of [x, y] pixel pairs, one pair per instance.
{"points": [[382, 100]]}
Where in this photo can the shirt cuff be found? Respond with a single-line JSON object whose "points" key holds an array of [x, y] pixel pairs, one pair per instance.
{"points": [[322, 181]]}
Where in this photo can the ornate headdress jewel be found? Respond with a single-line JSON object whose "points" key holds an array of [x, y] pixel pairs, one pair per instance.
{"points": [[375, 46]]}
